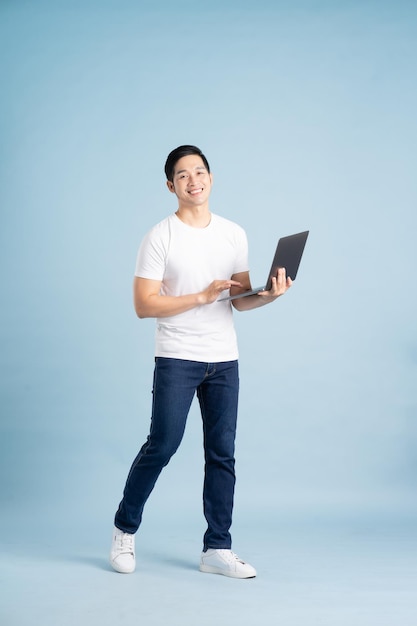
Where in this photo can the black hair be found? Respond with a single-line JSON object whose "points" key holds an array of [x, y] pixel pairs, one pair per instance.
{"points": [[177, 154]]}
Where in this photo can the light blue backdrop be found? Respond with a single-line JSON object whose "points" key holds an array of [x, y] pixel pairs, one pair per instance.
{"points": [[307, 113]]}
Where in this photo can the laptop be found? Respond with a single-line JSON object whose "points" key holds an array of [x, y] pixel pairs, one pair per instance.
{"points": [[288, 254]]}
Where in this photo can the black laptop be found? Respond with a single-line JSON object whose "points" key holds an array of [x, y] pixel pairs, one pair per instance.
{"points": [[288, 254]]}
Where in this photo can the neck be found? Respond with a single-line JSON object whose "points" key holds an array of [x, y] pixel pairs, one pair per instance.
{"points": [[198, 217]]}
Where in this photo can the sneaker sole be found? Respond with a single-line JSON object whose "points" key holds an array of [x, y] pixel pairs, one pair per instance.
{"points": [[122, 571], [209, 569]]}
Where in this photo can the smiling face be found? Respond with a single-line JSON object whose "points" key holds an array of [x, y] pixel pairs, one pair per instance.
{"points": [[191, 182]]}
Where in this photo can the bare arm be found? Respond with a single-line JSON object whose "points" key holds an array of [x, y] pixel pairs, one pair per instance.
{"points": [[149, 303], [280, 284]]}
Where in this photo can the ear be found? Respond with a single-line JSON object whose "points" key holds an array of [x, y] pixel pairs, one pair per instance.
{"points": [[170, 186]]}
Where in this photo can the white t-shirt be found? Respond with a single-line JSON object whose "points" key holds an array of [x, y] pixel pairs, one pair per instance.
{"points": [[187, 260]]}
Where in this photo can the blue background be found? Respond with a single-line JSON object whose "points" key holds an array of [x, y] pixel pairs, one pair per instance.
{"points": [[306, 112]]}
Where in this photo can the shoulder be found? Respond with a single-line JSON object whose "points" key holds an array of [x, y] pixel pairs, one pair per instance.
{"points": [[161, 228], [159, 234], [156, 241], [227, 225]]}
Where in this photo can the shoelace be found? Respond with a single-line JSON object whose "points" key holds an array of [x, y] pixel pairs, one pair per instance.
{"points": [[125, 542], [231, 556]]}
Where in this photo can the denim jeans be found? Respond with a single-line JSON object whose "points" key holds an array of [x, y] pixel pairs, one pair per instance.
{"points": [[175, 383]]}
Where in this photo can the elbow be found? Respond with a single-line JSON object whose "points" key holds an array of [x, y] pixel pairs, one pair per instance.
{"points": [[244, 304], [144, 307], [140, 311]]}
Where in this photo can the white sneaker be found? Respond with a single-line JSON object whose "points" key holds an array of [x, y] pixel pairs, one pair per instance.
{"points": [[122, 555], [227, 563]]}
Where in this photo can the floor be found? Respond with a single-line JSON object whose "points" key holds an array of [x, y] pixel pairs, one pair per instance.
{"points": [[322, 572]]}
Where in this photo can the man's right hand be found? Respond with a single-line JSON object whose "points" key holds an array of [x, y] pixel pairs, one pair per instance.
{"points": [[215, 288]]}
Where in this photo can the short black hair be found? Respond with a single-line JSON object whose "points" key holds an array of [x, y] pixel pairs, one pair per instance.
{"points": [[177, 154]]}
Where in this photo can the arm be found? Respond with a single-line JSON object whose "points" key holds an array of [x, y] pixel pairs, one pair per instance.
{"points": [[280, 284], [149, 303]]}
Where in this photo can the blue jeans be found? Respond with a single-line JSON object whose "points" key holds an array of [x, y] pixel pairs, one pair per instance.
{"points": [[175, 383]]}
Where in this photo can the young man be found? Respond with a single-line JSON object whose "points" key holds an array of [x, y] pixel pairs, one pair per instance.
{"points": [[184, 264]]}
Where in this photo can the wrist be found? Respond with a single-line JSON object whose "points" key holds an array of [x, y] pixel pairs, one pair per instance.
{"points": [[199, 298]]}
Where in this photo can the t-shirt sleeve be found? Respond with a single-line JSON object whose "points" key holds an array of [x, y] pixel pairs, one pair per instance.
{"points": [[150, 260]]}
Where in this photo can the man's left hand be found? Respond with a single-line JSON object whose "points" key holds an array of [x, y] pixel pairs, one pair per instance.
{"points": [[280, 284]]}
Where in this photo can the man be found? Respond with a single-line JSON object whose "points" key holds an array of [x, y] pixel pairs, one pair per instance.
{"points": [[184, 264]]}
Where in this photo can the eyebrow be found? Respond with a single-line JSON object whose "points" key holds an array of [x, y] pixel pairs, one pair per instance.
{"points": [[199, 167]]}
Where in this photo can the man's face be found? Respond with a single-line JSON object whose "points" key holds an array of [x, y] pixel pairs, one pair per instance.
{"points": [[191, 181]]}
